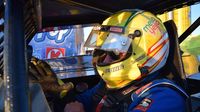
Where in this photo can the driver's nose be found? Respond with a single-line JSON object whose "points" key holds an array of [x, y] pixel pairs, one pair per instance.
{"points": [[108, 59]]}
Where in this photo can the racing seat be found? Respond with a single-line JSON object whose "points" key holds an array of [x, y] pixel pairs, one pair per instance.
{"points": [[173, 68]]}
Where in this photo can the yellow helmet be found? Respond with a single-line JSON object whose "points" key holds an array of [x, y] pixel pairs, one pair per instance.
{"points": [[129, 45]]}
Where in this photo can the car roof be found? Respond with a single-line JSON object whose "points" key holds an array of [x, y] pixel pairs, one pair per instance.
{"points": [[70, 12], [40, 14]]}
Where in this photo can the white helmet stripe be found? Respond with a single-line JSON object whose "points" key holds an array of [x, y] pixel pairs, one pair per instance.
{"points": [[160, 54], [163, 61], [165, 36]]}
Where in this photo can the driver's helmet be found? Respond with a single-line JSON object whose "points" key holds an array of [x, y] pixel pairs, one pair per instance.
{"points": [[128, 46]]}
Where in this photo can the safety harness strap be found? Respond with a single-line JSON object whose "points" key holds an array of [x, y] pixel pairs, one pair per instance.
{"points": [[119, 102], [141, 93]]}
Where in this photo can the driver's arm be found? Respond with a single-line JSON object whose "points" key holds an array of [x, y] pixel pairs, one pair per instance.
{"points": [[83, 101]]}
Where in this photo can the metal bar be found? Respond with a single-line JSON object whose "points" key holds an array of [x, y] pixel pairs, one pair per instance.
{"points": [[15, 76], [1, 28], [189, 31], [29, 34], [86, 6]]}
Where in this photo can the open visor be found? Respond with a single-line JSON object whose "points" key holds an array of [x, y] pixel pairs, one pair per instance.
{"points": [[108, 41]]}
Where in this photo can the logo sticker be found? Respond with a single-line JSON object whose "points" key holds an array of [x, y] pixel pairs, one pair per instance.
{"points": [[114, 69], [144, 105], [54, 52], [152, 26]]}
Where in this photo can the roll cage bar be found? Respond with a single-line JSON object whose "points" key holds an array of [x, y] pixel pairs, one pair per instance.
{"points": [[189, 30]]}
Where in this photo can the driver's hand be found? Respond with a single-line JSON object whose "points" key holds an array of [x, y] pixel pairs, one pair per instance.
{"points": [[74, 107], [41, 72]]}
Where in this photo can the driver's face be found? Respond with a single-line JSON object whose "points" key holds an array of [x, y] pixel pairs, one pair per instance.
{"points": [[109, 57]]}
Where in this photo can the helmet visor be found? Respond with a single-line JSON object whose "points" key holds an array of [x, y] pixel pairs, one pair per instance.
{"points": [[108, 41]]}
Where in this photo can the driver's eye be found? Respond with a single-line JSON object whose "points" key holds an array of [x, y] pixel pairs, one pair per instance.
{"points": [[113, 55]]}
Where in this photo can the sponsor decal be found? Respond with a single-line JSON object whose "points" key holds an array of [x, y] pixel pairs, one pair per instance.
{"points": [[152, 26], [56, 63], [139, 58], [54, 52], [114, 69], [116, 29], [144, 105], [58, 36], [54, 39], [126, 91]]}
